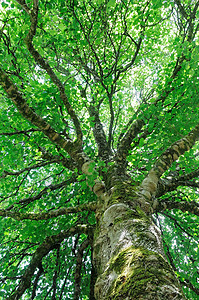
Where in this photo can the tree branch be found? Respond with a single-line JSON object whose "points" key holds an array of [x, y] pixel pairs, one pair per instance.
{"points": [[136, 127], [190, 18], [101, 73], [166, 185], [77, 275], [186, 282], [28, 113], [177, 223], [175, 151], [91, 206], [125, 143], [35, 283], [195, 9], [163, 204], [112, 115], [45, 65], [49, 244], [51, 187], [181, 9], [18, 132], [149, 184], [56, 272], [24, 5], [99, 134], [17, 173], [124, 69]]}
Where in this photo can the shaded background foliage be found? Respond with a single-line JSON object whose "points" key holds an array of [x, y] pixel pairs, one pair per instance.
{"points": [[118, 57]]}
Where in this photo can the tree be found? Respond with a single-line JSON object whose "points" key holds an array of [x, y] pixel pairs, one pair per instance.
{"points": [[99, 166]]}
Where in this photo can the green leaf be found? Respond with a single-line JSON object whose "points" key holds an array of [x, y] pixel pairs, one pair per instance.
{"points": [[141, 142], [111, 3]]}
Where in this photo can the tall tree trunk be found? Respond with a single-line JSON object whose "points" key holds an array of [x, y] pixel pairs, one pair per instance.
{"points": [[128, 253]]}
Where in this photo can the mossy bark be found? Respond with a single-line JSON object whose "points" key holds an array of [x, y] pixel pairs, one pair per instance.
{"points": [[128, 253]]}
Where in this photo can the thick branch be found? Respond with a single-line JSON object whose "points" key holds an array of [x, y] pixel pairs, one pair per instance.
{"points": [[29, 114], [169, 186], [99, 134], [188, 176], [192, 206], [49, 244], [166, 185], [45, 65], [91, 206], [68, 163], [125, 143], [149, 184], [175, 151]]}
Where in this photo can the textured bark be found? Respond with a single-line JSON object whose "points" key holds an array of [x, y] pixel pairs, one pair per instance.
{"points": [[104, 150], [149, 185], [128, 252]]}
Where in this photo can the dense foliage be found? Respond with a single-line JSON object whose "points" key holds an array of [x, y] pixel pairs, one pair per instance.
{"points": [[75, 75]]}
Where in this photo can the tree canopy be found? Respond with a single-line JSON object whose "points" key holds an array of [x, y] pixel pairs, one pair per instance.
{"points": [[88, 86]]}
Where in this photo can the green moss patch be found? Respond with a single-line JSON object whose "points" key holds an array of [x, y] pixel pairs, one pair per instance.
{"points": [[137, 269]]}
